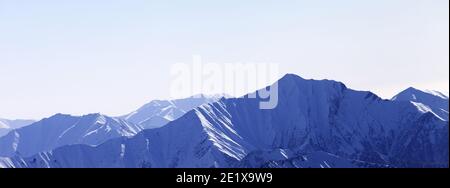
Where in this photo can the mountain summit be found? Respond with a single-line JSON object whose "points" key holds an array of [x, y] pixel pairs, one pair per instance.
{"points": [[431, 101], [157, 113]]}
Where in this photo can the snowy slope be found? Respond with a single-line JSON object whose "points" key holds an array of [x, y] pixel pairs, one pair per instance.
{"points": [[317, 124], [432, 101], [8, 125], [60, 130], [159, 112]]}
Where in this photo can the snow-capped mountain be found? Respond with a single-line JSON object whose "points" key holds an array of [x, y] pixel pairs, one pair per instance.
{"points": [[430, 101], [60, 130], [315, 124], [8, 125], [159, 112]]}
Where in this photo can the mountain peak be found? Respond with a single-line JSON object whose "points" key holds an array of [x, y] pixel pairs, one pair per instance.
{"points": [[433, 100], [289, 79], [291, 76], [411, 89], [157, 113], [412, 93]]}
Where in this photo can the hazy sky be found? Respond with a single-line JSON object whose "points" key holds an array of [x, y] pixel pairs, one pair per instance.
{"points": [[112, 56]]}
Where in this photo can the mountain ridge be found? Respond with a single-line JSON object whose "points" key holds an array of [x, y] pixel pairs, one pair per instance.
{"points": [[62, 129], [157, 116], [316, 124], [157, 113]]}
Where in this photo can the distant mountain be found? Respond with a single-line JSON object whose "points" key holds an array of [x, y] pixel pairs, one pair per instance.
{"points": [[430, 101], [60, 130], [8, 125], [159, 112], [315, 124]]}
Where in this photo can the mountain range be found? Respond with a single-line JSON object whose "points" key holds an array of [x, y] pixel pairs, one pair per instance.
{"points": [[60, 130], [317, 123], [93, 129]]}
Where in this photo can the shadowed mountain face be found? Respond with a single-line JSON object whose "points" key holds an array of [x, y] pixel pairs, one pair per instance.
{"points": [[430, 101], [60, 130], [315, 124]]}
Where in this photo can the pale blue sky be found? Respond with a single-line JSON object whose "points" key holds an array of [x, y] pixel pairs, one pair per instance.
{"points": [[112, 56]]}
